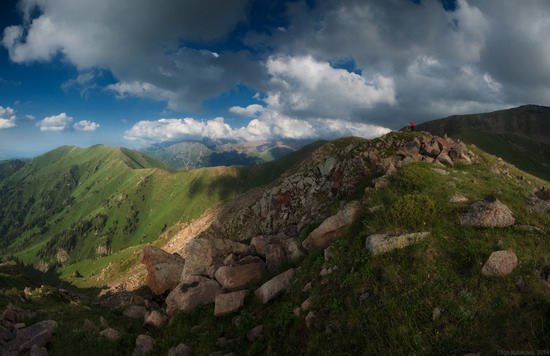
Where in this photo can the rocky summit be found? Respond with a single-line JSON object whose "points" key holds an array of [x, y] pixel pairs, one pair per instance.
{"points": [[408, 243]]}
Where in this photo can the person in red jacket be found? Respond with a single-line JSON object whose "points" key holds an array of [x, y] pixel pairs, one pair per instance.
{"points": [[412, 125]]}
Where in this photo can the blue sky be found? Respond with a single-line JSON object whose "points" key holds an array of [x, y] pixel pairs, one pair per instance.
{"points": [[136, 72]]}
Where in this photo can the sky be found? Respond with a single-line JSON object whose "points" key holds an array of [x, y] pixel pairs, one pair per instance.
{"points": [[137, 72]]}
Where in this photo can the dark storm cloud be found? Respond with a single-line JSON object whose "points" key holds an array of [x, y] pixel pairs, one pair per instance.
{"points": [[419, 60]]}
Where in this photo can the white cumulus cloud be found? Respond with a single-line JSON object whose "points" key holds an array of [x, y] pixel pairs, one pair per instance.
{"points": [[86, 125], [7, 118], [64, 122]]}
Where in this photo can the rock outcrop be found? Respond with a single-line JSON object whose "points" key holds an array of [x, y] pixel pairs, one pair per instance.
{"points": [[163, 269], [489, 212], [204, 256]]}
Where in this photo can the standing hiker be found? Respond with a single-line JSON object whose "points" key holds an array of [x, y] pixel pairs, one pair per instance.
{"points": [[412, 125]]}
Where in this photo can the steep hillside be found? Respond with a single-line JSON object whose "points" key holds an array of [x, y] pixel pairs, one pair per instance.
{"points": [[520, 136], [72, 203], [406, 244]]}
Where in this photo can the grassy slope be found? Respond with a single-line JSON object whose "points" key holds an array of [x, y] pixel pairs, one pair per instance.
{"points": [[479, 314], [128, 197], [528, 155]]}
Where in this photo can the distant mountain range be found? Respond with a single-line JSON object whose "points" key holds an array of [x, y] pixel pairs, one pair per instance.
{"points": [[209, 153], [520, 136]]}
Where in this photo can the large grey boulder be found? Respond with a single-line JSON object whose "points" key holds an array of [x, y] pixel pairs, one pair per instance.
{"points": [[333, 227], [382, 243], [228, 303], [203, 256], [237, 275], [192, 292], [489, 212], [163, 269], [274, 286], [500, 263]]}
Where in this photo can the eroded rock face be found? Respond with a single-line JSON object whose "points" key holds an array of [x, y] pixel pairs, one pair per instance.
{"points": [[163, 269], [489, 212], [500, 263], [333, 227], [383, 243], [274, 286], [192, 292], [239, 274], [204, 256]]}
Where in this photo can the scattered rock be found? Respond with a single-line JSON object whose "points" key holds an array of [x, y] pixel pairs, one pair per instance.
{"points": [[333, 227], [500, 263], [110, 334], [458, 198], [144, 344], [489, 212], [307, 287], [135, 312], [310, 317], [89, 325], [297, 311], [540, 199], [436, 313], [382, 243], [155, 319], [440, 171], [329, 253], [192, 292], [255, 333], [528, 228], [163, 269], [274, 286], [180, 350], [306, 305], [239, 274], [38, 351], [275, 256], [229, 302], [103, 323]]}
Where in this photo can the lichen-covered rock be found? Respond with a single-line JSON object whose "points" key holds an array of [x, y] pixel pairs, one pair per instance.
{"points": [[163, 269], [333, 227], [489, 212], [382, 243], [500, 263]]}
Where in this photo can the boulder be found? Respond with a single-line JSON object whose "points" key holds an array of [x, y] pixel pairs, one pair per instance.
{"points": [[489, 212], [38, 351], [382, 243], [135, 312], [458, 198], [163, 269], [255, 333], [180, 350], [229, 302], [39, 340], [89, 326], [333, 227], [110, 334], [274, 286], [144, 344], [275, 256], [500, 263], [192, 292], [240, 273], [155, 319], [203, 256], [38, 328]]}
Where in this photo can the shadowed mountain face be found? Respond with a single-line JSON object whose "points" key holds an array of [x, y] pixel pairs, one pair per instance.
{"points": [[519, 135]]}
